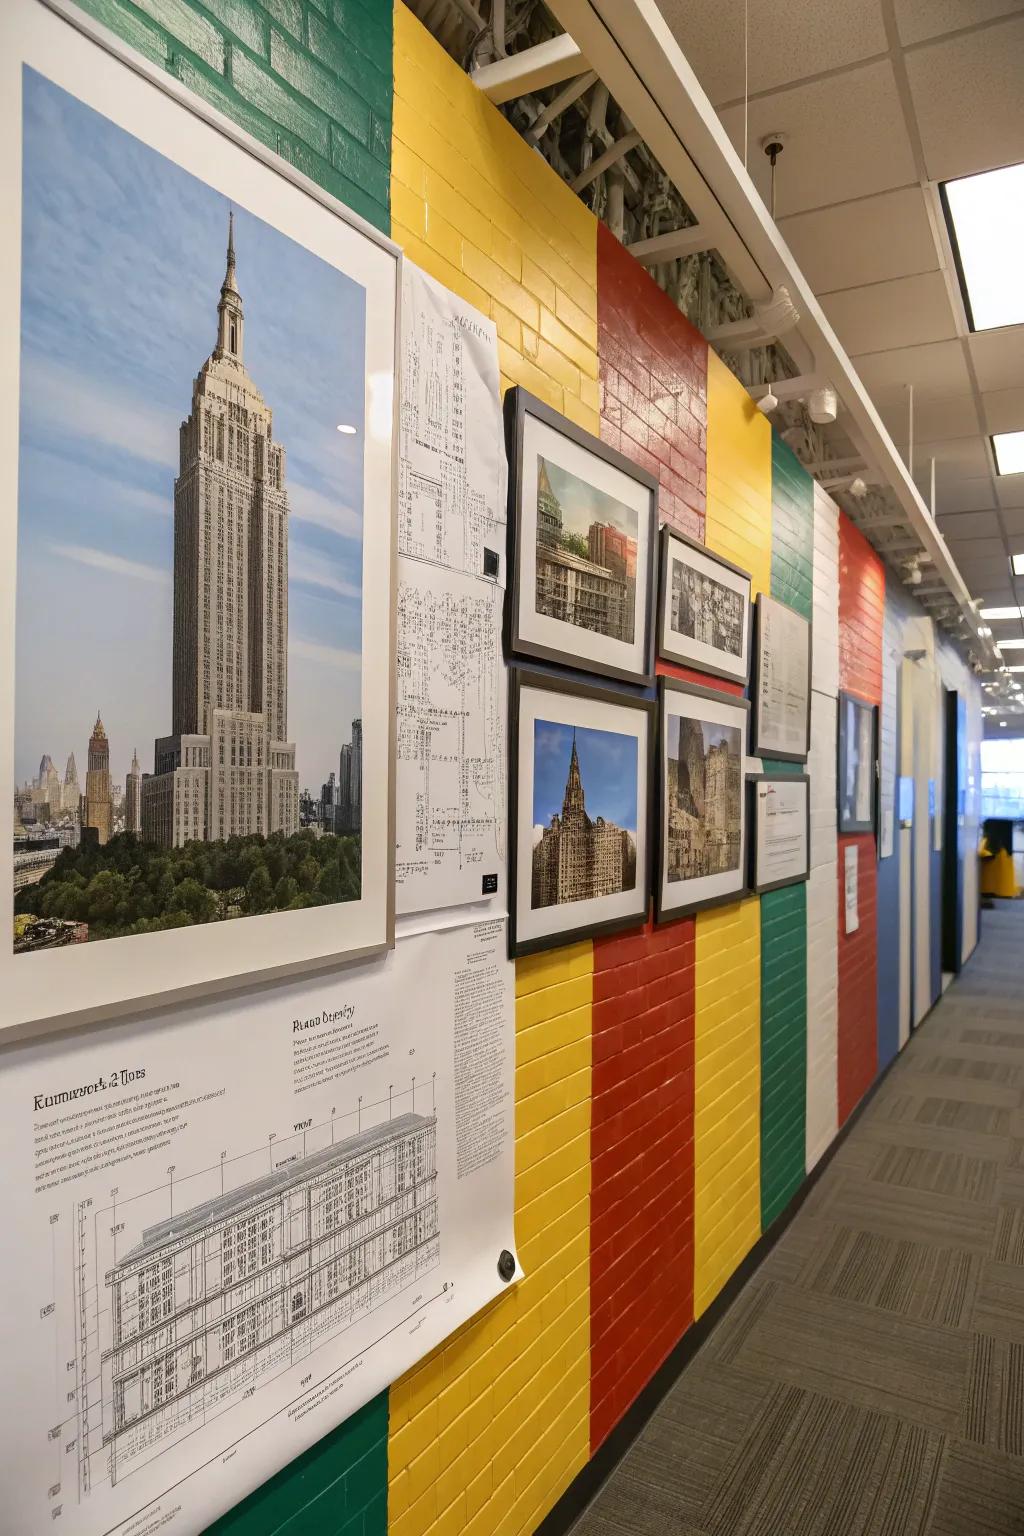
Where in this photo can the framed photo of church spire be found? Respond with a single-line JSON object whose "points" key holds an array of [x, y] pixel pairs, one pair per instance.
{"points": [[199, 358], [702, 800], [580, 796], [582, 528]]}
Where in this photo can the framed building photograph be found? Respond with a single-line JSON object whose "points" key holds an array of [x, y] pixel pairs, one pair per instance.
{"points": [[580, 797], [781, 687], [858, 765], [780, 830], [199, 360], [702, 804], [703, 609], [582, 526]]}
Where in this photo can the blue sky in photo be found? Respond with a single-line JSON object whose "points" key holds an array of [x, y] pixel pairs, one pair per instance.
{"points": [[607, 769], [583, 504], [123, 256]]}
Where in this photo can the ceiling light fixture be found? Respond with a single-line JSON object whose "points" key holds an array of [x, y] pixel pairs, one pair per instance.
{"points": [[1002, 613], [1008, 448], [1017, 564], [346, 430], [985, 218]]}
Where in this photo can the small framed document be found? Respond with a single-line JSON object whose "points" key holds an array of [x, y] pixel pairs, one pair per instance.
{"points": [[858, 764], [780, 819], [781, 692]]}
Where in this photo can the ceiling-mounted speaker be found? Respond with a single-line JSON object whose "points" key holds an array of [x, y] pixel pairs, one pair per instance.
{"points": [[823, 405]]}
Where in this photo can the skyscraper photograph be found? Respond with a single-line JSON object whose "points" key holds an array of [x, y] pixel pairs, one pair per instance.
{"points": [[584, 834], [586, 554], [705, 784], [189, 542]]}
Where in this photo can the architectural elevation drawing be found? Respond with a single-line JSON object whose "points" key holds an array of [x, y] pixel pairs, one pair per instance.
{"points": [[218, 1298]]}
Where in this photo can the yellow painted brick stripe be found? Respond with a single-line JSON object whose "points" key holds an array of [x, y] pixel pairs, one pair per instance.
{"points": [[739, 469], [727, 1104]]}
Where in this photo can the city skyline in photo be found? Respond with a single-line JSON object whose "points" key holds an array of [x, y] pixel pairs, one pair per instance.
{"points": [[123, 261]]}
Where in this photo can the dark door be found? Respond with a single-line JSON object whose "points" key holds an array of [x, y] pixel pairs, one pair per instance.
{"points": [[955, 773]]}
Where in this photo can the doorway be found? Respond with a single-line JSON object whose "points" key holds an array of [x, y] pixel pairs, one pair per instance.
{"points": [[953, 818]]}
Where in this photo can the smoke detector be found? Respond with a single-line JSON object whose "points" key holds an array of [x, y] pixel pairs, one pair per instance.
{"points": [[768, 403]]}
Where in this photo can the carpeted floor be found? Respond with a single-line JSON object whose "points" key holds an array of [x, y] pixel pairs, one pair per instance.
{"points": [[869, 1380]]}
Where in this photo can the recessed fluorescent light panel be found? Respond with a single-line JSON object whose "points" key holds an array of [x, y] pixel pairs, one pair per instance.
{"points": [[985, 214], [1010, 645], [1008, 448], [1002, 613], [1017, 561]]}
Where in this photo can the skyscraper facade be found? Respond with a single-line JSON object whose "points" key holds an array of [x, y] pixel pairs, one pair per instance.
{"points": [[227, 768], [133, 797], [97, 806], [71, 794], [578, 858]]}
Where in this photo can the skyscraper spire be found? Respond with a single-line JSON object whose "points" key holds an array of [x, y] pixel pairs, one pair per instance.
{"points": [[573, 801], [230, 319]]}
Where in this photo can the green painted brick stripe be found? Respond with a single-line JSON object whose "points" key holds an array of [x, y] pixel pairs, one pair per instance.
{"points": [[313, 82], [784, 913]]}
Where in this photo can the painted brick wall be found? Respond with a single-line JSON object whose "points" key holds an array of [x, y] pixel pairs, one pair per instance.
{"points": [[488, 1431], [784, 913], [727, 1030], [641, 1240], [483, 213], [653, 408], [861, 617], [822, 900], [310, 81], [654, 368]]}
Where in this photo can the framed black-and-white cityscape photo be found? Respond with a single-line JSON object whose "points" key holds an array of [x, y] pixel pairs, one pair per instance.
{"points": [[198, 362], [857, 764], [702, 804], [582, 530], [703, 609], [780, 830], [579, 792], [781, 687]]}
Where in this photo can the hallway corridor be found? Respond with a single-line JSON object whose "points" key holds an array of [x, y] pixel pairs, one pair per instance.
{"points": [[869, 1380]]}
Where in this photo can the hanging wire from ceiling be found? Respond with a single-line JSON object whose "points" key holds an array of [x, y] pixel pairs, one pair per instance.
{"points": [[746, 77]]}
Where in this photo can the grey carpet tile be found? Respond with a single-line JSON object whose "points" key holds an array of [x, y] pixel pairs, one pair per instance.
{"points": [[956, 1115], [1008, 1240], [816, 1467], [710, 1417], [963, 1067], [624, 1507], [968, 1090], [941, 1173], [914, 1213], [931, 1285], [1004, 1039], [998, 1304], [980, 1493], [915, 1133], [857, 1354], [993, 1409]]}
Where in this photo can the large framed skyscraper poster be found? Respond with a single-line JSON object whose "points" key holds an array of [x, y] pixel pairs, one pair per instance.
{"points": [[197, 353]]}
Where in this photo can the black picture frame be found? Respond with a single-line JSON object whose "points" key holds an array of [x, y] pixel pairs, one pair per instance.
{"points": [[847, 822], [758, 746], [663, 912], [679, 657], [753, 839], [521, 407], [520, 679]]}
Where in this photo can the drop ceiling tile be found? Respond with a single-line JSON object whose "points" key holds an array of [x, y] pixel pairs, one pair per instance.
{"points": [[1013, 521], [1010, 490], [937, 368], [947, 416], [866, 241], [966, 92], [1004, 410], [968, 525], [955, 495], [905, 312], [845, 138], [921, 19], [977, 551], [998, 357], [956, 458], [786, 42]]}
